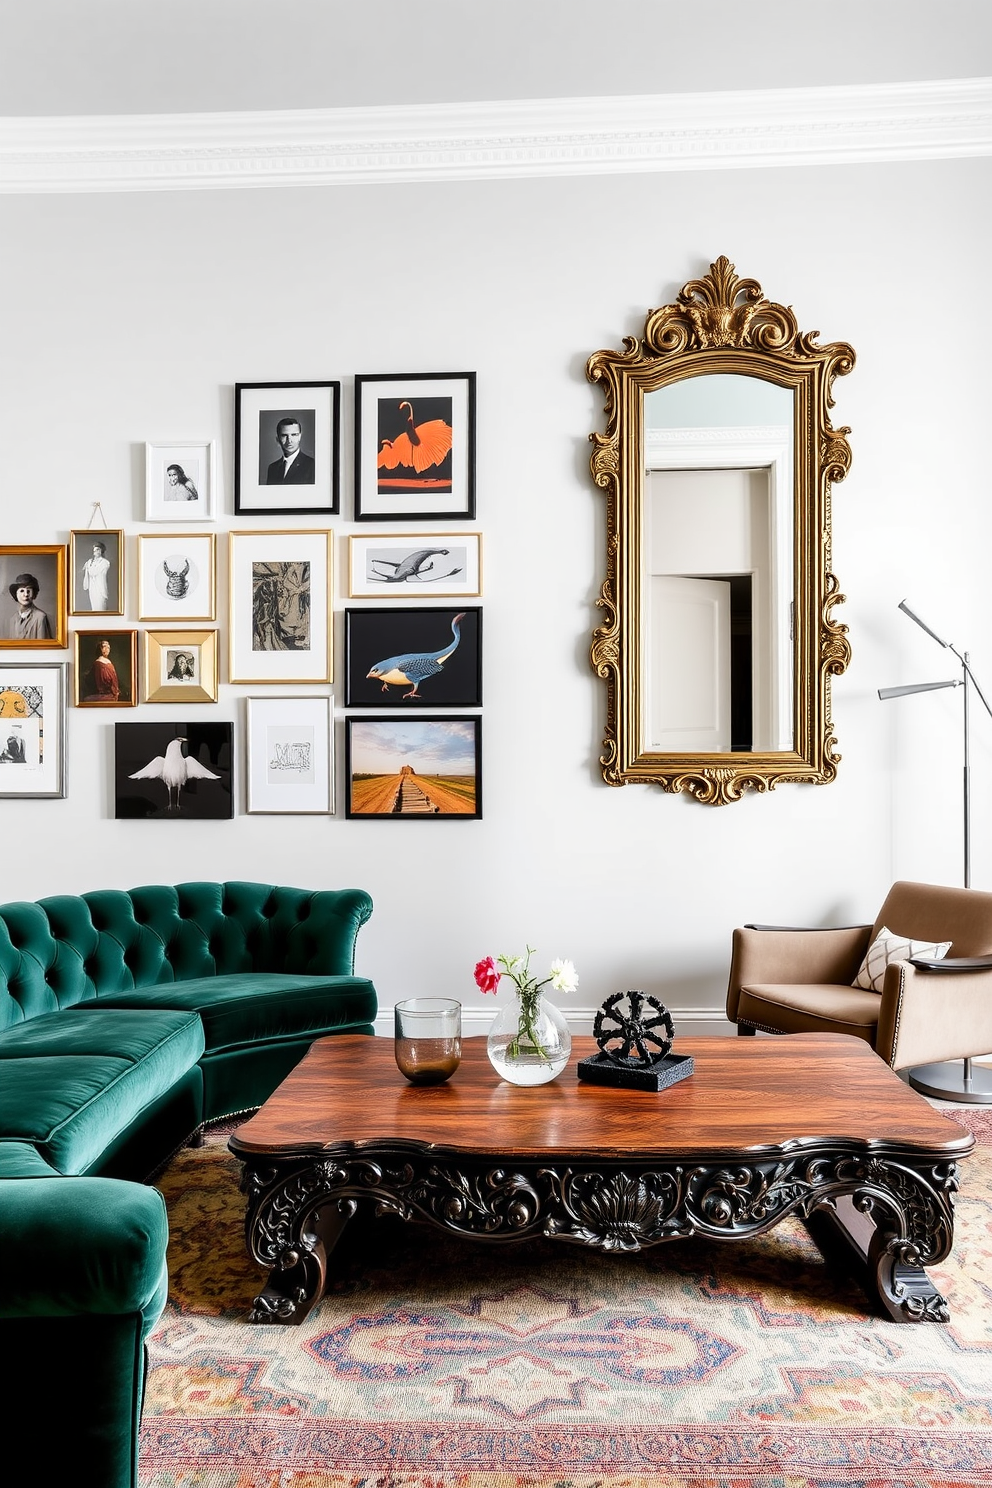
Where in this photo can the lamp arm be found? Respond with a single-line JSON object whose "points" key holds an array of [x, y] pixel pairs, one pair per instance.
{"points": [[972, 677]]}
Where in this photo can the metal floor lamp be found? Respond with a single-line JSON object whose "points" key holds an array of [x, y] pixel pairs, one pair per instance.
{"points": [[945, 1081]]}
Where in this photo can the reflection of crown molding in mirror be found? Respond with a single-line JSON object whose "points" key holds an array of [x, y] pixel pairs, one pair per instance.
{"points": [[502, 139], [719, 325]]}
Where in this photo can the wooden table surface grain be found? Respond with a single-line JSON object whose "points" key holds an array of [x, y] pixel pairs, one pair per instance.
{"points": [[745, 1095]]}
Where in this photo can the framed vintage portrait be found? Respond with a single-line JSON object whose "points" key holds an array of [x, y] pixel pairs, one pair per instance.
{"points": [[177, 576], [396, 566], [280, 598], [32, 729], [106, 668], [96, 571], [180, 666], [290, 757], [414, 446], [286, 437], [180, 481], [413, 768], [413, 657], [173, 771], [32, 596]]}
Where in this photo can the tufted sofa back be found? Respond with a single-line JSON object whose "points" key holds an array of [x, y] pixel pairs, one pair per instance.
{"points": [[70, 949]]}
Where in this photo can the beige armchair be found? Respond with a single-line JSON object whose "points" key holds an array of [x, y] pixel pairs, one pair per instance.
{"points": [[928, 1011]]}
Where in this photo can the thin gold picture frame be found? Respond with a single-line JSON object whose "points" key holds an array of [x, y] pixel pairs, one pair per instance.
{"points": [[82, 585], [280, 585]]}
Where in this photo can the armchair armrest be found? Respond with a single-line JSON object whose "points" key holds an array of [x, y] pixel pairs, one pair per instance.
{"points": [[807, 929], [951, 964]]}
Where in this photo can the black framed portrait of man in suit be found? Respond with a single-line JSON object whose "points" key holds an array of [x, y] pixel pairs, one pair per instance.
{"points": [[286, 443]]}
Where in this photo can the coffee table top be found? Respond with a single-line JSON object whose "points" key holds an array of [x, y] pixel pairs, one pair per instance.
{"points": [[772, 1094]]}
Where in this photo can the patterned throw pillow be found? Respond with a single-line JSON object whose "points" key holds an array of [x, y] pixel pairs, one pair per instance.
{"points": [[887, 947]]}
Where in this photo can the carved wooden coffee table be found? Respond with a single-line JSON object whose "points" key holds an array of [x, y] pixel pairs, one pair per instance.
{"points": [[808, 1124]]}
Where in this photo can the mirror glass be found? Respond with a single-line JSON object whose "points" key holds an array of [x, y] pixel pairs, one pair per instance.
{"points": [[718, 577]]}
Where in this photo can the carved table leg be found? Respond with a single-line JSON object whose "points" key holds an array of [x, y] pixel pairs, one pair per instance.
{"points": [[292, 1225]]}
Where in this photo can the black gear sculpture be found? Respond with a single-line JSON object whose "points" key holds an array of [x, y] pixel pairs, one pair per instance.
{"points": [[634, 1033]]}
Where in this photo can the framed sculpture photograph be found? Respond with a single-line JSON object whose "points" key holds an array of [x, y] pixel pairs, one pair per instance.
{"points": [[289, 755], [173, 771], [177, 576], [96, 571], [396, 566], [280, 598], [32, 729], [413, 768], [106, 668], [414, 658], [180, 481], [32, 596], [180, 666], [286, 437], [414, 446]]}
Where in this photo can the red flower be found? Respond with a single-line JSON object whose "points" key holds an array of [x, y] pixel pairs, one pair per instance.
{"points": [[486, 975]]}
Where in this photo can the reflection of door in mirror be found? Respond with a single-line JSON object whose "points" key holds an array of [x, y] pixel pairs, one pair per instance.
{"points": [[718, 590]]}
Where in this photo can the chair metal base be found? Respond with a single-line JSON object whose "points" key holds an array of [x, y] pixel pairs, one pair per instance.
{"points": [[969, 1084]]}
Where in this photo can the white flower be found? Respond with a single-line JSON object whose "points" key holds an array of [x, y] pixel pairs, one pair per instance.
{"points": [[564, 977]]}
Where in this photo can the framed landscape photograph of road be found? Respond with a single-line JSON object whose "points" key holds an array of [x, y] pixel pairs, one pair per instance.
{"points": [[32, 597], [286, 437], [106, 668], [32, 729], [290, 755], [180, 481], [444, 565], [414, 446], [177, 575], [173, 771], [420, 658], [405, 769], [180, 666], [280, 596], [96, 571]]}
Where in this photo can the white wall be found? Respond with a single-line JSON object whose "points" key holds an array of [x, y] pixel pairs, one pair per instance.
{"points": [[130, 317]]}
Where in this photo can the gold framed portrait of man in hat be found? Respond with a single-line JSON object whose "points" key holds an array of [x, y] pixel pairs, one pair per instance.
{"points": [[32, 596]]}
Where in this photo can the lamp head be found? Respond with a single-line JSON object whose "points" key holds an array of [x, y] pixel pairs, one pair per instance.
{"points": [[923, 626]]}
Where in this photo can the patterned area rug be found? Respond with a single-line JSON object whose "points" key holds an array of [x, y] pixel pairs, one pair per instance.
{"points": [[442, 1364]]}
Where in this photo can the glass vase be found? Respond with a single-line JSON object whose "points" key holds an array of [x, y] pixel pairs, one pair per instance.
{"points": [[529, 1056]]}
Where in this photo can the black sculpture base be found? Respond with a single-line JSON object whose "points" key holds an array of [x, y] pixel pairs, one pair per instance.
{"points": [[634, 1074]]}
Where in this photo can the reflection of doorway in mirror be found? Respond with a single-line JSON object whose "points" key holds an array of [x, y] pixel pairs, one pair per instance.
{"points": [[719, 674]]}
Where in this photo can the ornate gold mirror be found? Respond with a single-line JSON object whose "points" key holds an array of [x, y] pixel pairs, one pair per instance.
{"points": [[718, 643]]}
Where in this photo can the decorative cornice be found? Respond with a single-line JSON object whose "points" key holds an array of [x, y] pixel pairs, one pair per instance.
{"points": [[499, 140]]}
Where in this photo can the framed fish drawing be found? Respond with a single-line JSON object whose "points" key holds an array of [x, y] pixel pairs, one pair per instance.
{"points": [[442, 565], [414, 446], [413, 658]]}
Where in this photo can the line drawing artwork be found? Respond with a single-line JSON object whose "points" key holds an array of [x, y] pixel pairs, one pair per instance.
{"points": [[293, 757], [413, 568], [280, 606]]}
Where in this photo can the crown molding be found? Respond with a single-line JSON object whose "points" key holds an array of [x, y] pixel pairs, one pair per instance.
{"points": [[500, 140]]}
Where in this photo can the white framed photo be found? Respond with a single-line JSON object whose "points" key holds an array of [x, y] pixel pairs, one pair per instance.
{"points": [[394, 566], [177, 576], [180, 481], [280, 603], [32, 729], [286, 438], [290, 755]]}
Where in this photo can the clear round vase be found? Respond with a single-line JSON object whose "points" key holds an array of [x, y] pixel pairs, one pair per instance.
{"points": [[529, 1054]]}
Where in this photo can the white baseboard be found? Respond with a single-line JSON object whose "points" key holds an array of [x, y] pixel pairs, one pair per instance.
{"points": [[478, 1020]]}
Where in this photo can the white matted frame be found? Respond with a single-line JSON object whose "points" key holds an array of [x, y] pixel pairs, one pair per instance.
{"points": [[280, 607], [266, 481], [180, 666], [414, 446], [32, 729], [398, 566], [181, 481], [289, 755], [177, 576]]}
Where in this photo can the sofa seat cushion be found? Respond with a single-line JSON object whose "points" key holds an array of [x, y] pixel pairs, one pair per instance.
{"points": [[22, 1160], [812, 1007], [247, 1007], [72, 1082]]}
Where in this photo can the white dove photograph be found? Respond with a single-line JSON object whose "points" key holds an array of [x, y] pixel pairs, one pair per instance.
{"points": [[413, 658], [173, 771]]}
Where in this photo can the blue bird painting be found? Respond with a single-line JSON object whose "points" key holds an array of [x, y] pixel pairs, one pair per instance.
{"points": [[416, 666]]}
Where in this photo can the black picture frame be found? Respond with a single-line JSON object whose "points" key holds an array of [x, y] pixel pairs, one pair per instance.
{"points": [[375, 635], [437, 483], [259, 409], [387, 756], [137, 747]]}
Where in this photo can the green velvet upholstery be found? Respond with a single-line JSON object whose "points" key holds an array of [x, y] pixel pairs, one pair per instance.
{"points": [[126, 1021]]}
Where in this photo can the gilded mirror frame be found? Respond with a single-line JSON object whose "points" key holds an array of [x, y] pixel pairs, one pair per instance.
{"points": [[720, 324]]}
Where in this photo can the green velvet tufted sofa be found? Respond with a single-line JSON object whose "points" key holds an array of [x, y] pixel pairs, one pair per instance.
{"points": [[127, 1021]]}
